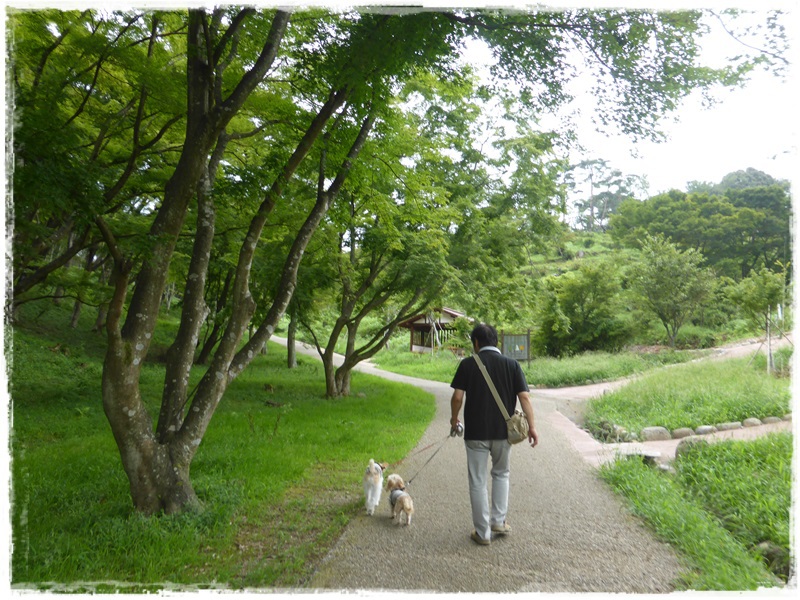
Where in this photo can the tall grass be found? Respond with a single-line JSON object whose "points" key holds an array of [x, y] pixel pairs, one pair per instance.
{"points": [[278, 472], [702, 393], [596, 367], [717, 560], [746, 486]]}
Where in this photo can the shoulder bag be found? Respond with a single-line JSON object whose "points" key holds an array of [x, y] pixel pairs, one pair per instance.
{"points": [[518, 423]]}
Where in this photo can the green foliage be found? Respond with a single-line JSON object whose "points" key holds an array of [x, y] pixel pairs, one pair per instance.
{"points": [[77, 82], [746, 179], [579, 311], [669, 282], [747, 486], [506, 217], [718, 560], [758, 294], [702, 393], [737, 230], [689, 336]]}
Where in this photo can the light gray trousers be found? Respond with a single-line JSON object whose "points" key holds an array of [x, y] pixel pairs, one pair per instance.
{"points": [[479, 453]]}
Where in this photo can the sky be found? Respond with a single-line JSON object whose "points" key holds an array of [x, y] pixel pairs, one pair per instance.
{"points": [[753, 126]]}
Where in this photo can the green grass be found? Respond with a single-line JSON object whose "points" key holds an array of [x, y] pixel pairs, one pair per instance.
{"points": [[724, 499], [591, 367], [701, 393], [596, 367], [278, 471], [437, 366], [747, 486]]}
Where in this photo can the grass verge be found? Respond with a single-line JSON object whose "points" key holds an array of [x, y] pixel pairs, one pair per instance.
{"points": [[591, 367], [701, 393], [269, 472], [725, 503]]}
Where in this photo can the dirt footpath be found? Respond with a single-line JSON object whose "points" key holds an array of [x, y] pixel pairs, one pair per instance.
{"points": [[571, 533]]}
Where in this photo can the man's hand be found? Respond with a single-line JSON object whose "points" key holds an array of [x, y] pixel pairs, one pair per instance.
{"points": [[456, 400], [533, 437], [527, 408]]}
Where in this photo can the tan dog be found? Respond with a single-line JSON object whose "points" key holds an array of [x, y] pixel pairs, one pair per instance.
{"points": [[399, 499]]}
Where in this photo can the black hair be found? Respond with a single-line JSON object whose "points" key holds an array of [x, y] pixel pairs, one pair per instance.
{"points": [[484, 334]]}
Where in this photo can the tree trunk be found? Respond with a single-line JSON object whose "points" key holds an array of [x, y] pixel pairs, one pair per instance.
{"points": [[291, 337], [216, 331], [180, 356], [343, 377], [770, 365], [76, 313], [28, 280], [100, 321], [158, 467], [331, 387]]}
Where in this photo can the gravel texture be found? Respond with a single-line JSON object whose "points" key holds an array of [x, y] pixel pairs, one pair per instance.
{"points": [[571, 533]]}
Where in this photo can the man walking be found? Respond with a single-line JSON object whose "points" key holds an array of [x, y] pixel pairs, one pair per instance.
{"points": [[485, 431]]}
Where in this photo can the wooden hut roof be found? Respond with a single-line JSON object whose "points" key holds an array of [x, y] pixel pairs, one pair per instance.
{"points": [[424, 318]]}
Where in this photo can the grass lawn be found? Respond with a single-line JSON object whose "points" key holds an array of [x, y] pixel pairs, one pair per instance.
{"points": [[269, 472], [700, 393]]}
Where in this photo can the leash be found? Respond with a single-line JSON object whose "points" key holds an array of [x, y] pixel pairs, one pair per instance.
{"points": [[441, 445], [459, 432], [394, 464]]}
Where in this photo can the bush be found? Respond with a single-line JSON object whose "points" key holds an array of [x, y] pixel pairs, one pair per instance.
{"points": [[578, 312], [691, 336]]}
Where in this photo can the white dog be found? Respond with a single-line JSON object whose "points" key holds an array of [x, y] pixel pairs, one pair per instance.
{"points": [[399, 499], [373, 484]]}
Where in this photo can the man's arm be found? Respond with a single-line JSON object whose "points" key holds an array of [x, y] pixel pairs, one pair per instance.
{"points": [[527, 408], [455, 407]]}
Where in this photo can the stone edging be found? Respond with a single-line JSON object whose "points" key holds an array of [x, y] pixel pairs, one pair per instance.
{"points": [[650, 434], [657, 433]]}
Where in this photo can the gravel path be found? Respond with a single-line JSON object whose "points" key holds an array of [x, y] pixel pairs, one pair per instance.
{"points": [[570, 532]]}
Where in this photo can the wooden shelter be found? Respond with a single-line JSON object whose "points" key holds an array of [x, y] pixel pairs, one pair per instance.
{"points": [[431, 329]]}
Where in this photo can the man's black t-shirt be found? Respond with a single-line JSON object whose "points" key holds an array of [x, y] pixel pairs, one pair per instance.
{"points": [[482, 417]]}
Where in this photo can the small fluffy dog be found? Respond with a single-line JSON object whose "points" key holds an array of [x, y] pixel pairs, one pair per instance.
{"points": [[401, 502], [373, 484]]}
